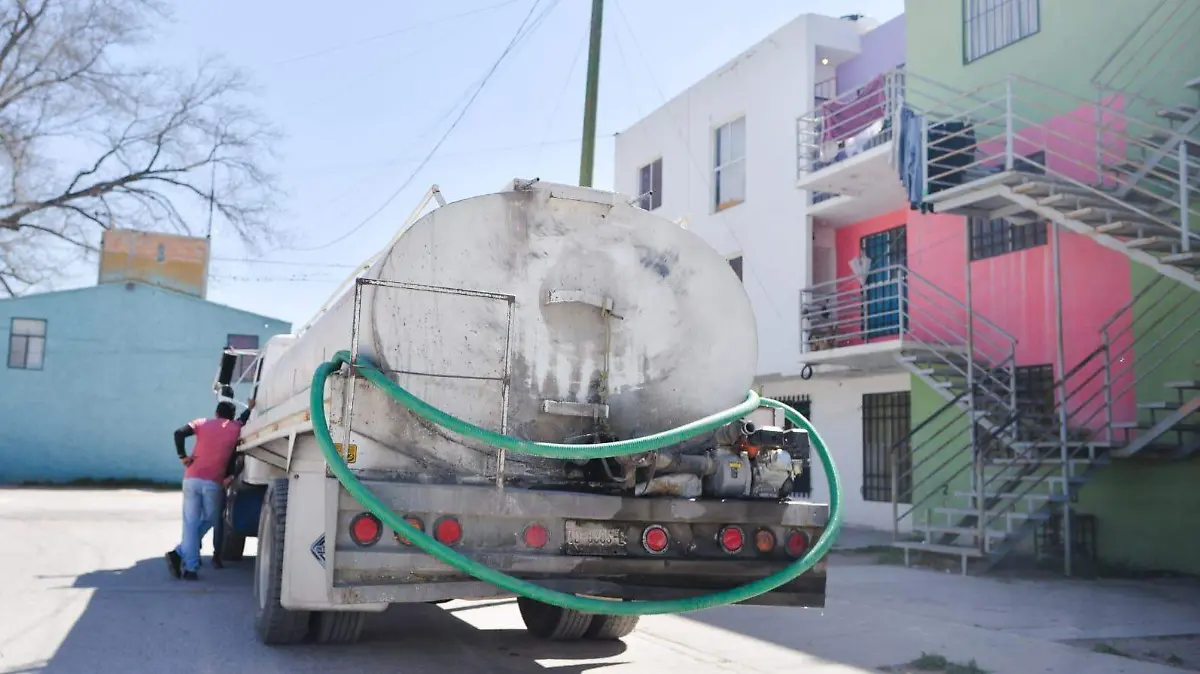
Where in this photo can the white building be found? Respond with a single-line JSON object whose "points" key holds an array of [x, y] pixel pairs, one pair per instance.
{"points": [[721, 157]]}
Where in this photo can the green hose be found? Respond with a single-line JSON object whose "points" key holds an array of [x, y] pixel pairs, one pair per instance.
{"points": [[525, 588]]}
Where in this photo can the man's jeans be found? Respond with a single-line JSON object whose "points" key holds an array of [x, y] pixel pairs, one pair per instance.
{"points": [[201, 509]]}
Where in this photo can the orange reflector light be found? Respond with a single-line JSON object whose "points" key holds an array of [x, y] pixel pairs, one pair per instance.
{"points": [[764, 540], [414, 522]]}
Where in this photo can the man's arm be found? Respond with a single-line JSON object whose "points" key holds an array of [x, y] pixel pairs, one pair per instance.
{"points": [[245, 415], [182, 434]]}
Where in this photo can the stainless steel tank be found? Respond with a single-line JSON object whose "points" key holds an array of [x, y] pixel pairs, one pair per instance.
{"points": [[538, 305]]}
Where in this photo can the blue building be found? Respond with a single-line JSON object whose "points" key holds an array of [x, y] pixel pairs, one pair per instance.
{"points": [[96, 379]]}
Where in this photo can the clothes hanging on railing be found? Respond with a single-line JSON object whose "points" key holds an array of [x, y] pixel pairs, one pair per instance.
{"points": [[842, 120], [909, 149]]}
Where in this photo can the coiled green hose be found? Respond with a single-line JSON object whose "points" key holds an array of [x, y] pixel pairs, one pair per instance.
{"points": [[524, 588]]}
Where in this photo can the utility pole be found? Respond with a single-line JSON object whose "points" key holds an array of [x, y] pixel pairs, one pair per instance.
{"points": [[587, 159]]}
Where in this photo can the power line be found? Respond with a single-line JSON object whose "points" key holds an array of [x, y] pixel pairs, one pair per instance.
{"points": [[563, 94], [292, 263], [398, 31], [521, 33]]}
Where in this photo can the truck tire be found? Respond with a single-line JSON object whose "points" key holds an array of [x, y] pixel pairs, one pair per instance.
{"points": [[337, 627], [551, 622], [611, 627], [274, 624]]}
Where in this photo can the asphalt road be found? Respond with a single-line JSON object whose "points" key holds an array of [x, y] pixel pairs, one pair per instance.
{"points": [[84, 590]]}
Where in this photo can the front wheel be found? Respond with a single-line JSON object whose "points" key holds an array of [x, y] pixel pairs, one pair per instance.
{"points": [[551, 622], [274, 624]]}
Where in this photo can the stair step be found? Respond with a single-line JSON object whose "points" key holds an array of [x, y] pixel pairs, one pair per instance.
{"points": [[1179, 113], [1162, 138], [1162, 244], [1193, 84], [1056, 461], [969, 512], [960, 550], [956, 531], [1158, 405], [1135, 229], [1091, 214], [1011, 496], [1189, 259], [1185, 385]]}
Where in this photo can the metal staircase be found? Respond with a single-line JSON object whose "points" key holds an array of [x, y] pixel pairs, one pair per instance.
{"points": [[1130, 181]]}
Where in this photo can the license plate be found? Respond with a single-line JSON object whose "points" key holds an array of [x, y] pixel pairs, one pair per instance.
{"points": [[594, 538]]}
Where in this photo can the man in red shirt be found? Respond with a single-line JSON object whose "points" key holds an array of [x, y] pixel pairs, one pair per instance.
{"points": [[206, 474]]}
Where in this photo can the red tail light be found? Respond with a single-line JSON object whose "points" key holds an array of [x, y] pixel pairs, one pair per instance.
{"points": [[764, 540], [655, 539], [447, 531], [731, 539], [414, 522], [365, 529], [797, 543], [535, 536]]}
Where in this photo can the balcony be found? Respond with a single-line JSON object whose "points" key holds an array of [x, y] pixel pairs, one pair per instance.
{"points": [[864, 321], [844, 152]]}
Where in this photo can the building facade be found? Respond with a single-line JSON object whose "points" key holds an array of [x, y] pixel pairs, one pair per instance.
{"points": [[997, 288], [1010, 217], [97, 378]]}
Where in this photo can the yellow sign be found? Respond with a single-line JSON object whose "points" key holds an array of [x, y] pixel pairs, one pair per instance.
{"points": [[348, 457]]}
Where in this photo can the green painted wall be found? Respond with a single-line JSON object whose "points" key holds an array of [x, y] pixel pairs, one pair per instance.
{"points": [[941, 454], [1166, 327]]}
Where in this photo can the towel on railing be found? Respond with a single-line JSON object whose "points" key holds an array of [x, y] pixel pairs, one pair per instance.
{"points": [[842, 120], [910, 149]]}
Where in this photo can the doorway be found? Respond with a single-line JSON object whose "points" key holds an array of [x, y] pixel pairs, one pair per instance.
{"points": [[885, 292]]}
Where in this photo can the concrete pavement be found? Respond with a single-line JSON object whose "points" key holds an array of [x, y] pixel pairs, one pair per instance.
{"points": [[84, 590]]}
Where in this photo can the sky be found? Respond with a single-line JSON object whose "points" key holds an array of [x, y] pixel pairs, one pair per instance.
{"points": [[363, 92]]}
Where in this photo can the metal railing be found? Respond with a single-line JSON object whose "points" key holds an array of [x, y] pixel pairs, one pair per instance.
{"points": [[852, 122], [1097, 151]]}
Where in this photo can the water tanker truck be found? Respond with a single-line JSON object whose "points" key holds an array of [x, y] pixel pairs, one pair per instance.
{"points": [[384, 462]]}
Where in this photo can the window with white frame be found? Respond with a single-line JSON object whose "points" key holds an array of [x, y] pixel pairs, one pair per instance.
{"points": [[650, 185], [729, 164], [27, 344], [241, 371], [991, 25]]}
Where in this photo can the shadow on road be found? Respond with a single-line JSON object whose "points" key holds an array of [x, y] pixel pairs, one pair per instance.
{"points": [[139, 619]]}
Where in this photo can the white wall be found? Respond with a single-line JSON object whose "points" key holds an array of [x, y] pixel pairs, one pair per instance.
{"points": [[837, 416], [771, 84]]}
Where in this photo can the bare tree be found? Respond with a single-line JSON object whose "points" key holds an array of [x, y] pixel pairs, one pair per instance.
{"points": [[90, 138]]}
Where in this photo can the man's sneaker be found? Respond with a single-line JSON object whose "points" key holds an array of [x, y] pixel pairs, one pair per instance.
{"points": [[190, 575], [174, 564]]}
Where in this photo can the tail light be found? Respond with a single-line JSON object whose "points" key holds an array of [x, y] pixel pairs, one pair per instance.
{"points": [[447, 531], [535, 536], [655, 539], [764, 540], [414, 522], [797, 543], [731, 539], [365, 529]]}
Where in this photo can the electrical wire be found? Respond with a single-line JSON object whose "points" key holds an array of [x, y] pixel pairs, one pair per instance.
{"points": [[518, 36], [583, 41], [391, 33]]}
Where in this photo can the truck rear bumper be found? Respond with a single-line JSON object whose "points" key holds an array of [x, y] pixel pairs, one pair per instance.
{"points": [[595, 545]]}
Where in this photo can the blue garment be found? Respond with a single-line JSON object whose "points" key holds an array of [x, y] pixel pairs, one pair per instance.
{"points": [[911, 161], [201, 508]]}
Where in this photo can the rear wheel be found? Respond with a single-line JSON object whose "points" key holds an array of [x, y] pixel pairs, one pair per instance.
{"points": [[337, 627], [551, 622], [611, 627], [274, 624]]}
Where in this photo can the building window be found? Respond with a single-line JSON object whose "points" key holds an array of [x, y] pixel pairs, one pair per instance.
{"points": [[802, 484], [729, 165], [736, 263], [242, 370], [886, 418], [990, 238], [991, 25], [1035, 397], [27, 344], [650, 185]]}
